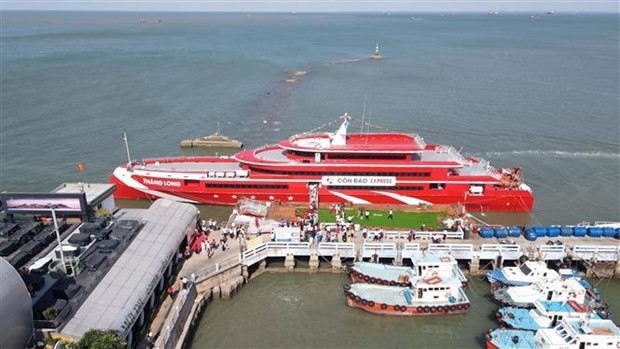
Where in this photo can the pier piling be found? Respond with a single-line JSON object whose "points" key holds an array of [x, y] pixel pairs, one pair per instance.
{"points": [[289, 262], [314, 263], [336, 263]]}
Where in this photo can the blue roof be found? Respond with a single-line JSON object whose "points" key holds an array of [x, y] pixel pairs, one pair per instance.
{"points": [[506, 338]]}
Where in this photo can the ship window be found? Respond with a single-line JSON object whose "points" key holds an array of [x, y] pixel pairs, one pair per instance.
{"points": [[525, 269], [191, 182], [246, 186], [437, 186]]}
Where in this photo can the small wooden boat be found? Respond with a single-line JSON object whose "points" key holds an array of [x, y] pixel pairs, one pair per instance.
{"points": [[423, 298]]}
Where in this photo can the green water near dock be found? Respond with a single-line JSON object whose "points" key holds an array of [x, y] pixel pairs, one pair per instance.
{"points": [[298, 310]]}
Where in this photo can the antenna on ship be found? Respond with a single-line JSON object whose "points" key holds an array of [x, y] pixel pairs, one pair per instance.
{"points": [[127, 147], [364, 113], [218, 128]]}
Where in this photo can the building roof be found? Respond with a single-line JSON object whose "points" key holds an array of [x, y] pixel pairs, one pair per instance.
{"points": [[95, 192], [116, 302], [15, 307]]}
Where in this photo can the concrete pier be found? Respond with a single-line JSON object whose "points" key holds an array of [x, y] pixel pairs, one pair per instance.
{"points": [[474, 266], [336, 263], [314, 263], [289, 262]]}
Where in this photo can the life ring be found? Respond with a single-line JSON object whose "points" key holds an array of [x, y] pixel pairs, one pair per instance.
{"points": [[346, 287], [459, 306], [383, 306], [358, 299], [359, 275], [440, 308], [397, 307], [372, 280], [433, 309], [364, 302], [466, 306], [392, 283], [426, 308], [366, 278], [371, 304], [351, 295], [452, 308], [403, 308], [419, 309], [384, 282]]}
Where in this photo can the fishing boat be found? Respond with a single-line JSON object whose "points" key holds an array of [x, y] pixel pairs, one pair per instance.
{"points": [[545, 314], [427, 296], [355, 168], [444, 265], [568, 334], [525, 274], [550, 290]]}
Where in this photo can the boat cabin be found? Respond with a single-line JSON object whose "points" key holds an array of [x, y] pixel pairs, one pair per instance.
{"points": [[582, 334]]}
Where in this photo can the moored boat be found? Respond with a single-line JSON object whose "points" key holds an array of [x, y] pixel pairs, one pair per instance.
{"points": [[545, 314], [568, 334], [550, 290], [362, 168], [525, 274], [425, 297], [444, 265]]}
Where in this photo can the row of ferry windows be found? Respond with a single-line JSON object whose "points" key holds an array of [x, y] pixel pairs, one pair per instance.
{"points": [[284, 186], [307, 173]]}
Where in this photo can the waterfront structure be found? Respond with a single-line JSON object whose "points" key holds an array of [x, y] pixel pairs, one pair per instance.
{"points": [[15, 307], [364, 168]]}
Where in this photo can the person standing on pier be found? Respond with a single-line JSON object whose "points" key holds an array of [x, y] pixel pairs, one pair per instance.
{"points": [[391, 215], [367, 214]]}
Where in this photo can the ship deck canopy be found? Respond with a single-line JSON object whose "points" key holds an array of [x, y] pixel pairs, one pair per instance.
{"points": [[369, 142], [115, 304]]}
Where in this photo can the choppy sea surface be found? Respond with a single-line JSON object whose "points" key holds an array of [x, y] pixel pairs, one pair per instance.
{"points": [[540, 93]]}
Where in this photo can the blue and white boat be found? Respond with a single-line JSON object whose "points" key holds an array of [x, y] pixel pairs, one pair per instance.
{"points": [[568, 334], [525, 274], [550, 290], [545, 314]]}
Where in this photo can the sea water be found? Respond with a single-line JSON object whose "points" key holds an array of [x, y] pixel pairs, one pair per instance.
{"points": [[538, 93]]}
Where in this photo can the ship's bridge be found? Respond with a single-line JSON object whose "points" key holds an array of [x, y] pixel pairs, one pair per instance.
{"points": [[380, 143]]}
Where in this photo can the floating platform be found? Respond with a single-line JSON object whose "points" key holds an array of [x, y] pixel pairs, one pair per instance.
{"points": [[215, 140]]}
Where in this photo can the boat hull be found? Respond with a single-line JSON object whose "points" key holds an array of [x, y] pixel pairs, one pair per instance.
{"points": [[228, 191], [407, 310]]}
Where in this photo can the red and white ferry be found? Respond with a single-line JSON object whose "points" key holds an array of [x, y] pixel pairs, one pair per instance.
{"points": [[364, 168]]}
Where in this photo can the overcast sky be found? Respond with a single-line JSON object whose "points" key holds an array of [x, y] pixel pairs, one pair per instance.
{"points": [[316, 5]]}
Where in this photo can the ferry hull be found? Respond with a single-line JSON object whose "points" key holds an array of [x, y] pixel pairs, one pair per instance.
{"points": [[135, 186]]}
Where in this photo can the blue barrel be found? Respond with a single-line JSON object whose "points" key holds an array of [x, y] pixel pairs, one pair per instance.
{"points": [[609, 232], [579, 231], [617, 233], [553, 232], [566, 231], [595, 232], [501, 233], [514, 232], [486, 233], [540, 231], [530, 235]]}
